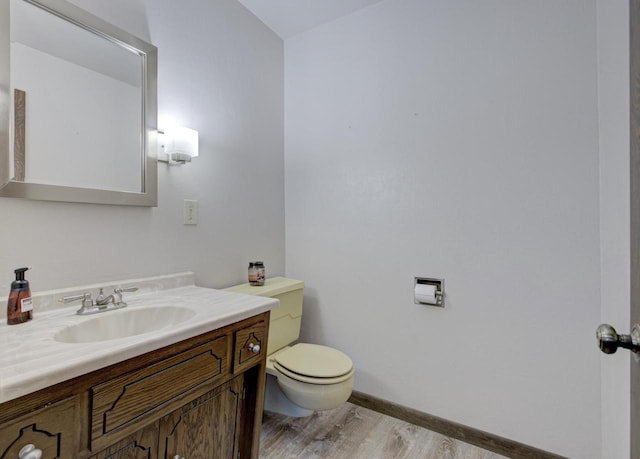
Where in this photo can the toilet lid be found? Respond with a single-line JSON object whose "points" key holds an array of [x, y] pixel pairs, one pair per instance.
{"points": [[314, 361]]}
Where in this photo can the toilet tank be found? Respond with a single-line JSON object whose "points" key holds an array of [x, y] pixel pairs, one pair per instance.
{"points": [[284, 325]]}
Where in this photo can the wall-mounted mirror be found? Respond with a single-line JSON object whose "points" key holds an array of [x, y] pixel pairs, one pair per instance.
{"points": [[78, 110]]}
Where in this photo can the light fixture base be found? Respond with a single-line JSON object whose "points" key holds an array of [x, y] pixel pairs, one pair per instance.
{"points": [[175, 159], [177, 146]]}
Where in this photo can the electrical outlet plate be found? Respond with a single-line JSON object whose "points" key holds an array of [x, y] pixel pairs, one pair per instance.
{"points": [[190, 212]]}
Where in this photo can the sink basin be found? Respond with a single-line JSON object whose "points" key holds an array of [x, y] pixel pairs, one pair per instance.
{"points": [[123, 323]]}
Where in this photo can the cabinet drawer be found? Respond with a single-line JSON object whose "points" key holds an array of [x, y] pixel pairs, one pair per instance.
{"points": [[49, 429], [131, 397], [250, 346]]}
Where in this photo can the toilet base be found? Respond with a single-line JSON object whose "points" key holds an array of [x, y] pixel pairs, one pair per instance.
{"points": [[276, 402]]}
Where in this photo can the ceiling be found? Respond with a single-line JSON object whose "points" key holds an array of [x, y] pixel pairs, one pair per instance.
{"points": [[290, 17]]}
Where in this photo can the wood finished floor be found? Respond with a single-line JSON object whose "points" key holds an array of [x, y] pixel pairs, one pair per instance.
{"points": [[353, 432]]}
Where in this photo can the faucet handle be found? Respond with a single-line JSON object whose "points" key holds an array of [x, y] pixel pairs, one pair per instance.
{"points": [[87, 302], [117, 294]]}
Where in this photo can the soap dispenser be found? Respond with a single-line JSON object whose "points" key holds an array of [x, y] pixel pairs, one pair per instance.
{"points": [[19, 306]]}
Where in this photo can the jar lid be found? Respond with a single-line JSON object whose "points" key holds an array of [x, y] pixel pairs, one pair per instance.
{"points": [[259, 263]]}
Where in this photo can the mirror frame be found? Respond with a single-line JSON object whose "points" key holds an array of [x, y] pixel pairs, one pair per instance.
{"points": [[149, 55]]}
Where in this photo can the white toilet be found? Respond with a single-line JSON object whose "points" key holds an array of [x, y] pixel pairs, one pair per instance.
{"points": [[302, 378]]}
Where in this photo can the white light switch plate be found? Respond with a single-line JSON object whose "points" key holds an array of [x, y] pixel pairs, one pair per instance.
{"points": [[190, 212]]}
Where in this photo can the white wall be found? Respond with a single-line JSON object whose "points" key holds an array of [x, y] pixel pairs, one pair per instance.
{"points": [[454, 139], [437, 138], [220, 72], [613, 110]]}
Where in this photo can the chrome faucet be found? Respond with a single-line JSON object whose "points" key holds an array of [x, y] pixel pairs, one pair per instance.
{"points": [[102, 302], [115, 298]]}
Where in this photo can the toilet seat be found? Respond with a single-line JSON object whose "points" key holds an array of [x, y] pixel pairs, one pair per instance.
{"points": [[310, 380], [314, 364]]}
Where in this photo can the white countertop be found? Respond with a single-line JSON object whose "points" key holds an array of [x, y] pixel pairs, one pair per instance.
{"points": [[30, 359]]}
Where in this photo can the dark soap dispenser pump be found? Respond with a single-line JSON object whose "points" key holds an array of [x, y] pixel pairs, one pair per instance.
{"points": [[19, 306]]}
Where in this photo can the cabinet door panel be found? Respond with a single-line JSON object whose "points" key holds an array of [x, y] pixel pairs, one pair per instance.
{"points": [[143, 444], [49, 429], [206, 428], [250, 346]]}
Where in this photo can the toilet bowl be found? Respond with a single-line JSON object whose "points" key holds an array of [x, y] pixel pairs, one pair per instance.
{"points": [[313, 377], [301, 378]]}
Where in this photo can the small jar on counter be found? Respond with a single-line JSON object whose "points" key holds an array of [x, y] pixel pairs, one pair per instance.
{"points": [[256, 273]]}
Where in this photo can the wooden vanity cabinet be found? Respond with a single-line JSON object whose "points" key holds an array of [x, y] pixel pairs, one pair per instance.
{"points": [[201, 397]]}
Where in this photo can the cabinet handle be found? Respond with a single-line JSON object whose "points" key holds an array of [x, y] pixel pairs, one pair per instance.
{"points": [[177, 456], [30, 452], [255, 348]]}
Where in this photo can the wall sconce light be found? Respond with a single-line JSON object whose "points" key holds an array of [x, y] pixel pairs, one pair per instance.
{"points": [[177, 145]]}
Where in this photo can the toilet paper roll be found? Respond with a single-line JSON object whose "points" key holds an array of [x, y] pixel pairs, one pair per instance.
{"points": [[425, 293]]}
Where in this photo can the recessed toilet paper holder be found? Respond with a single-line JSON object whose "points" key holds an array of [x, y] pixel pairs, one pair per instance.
{"points": [[437, 299]]}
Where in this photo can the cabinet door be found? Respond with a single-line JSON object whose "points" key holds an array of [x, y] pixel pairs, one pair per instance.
{"points": [[142, 444], [49, 429], [208, 427]]}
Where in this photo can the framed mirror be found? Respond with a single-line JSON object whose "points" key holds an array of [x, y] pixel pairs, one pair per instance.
{"points": [[78, 107]]}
